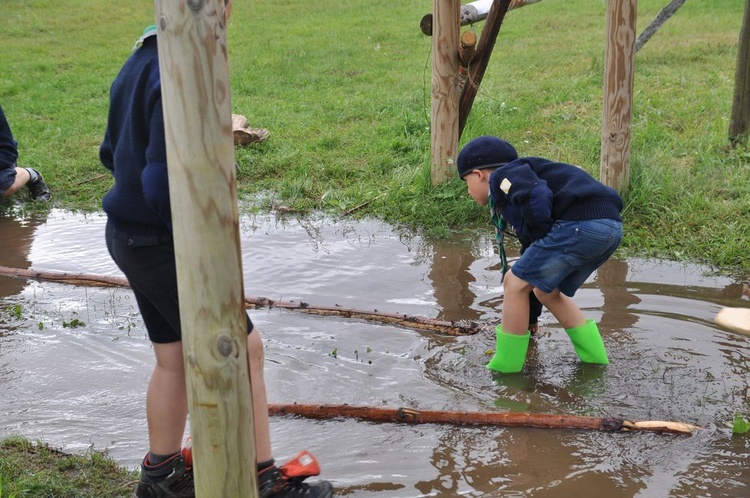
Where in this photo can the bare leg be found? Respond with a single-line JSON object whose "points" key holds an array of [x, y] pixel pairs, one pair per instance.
{"points": [[565, 310], [255, 360], [166, 400], [22, 178], [515, 305]]}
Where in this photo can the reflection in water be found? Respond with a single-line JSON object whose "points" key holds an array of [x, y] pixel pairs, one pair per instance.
{"points": [[81, 387], [618, 300], [451, 277], [15, 245]]}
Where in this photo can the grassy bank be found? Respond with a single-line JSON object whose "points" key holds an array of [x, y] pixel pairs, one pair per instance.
{"points": [[29, 469], [345, 91]]}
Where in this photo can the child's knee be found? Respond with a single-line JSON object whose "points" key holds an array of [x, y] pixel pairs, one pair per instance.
{"points": [[254, 348]]}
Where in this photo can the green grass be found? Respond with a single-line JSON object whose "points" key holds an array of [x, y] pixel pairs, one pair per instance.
{"points": [[344, 89], [30, 469]]}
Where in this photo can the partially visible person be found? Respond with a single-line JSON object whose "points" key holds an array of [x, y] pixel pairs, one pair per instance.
{"points": [[569, 224], [139, 239], [12, 177]]}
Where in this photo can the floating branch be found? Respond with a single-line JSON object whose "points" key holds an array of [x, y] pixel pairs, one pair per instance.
{"points": [[397, 319], [462, 418]]}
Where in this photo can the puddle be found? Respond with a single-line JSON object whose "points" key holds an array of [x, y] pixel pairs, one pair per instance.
{"points": [[78, 387]]}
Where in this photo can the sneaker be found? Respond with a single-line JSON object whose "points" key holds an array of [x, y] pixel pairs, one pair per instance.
{"points": [[286, 481], [38, 189], [170, 479]]}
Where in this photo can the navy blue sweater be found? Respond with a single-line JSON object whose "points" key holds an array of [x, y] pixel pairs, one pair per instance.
{"points": [[532, 193], [134, 147], [8, 146]]}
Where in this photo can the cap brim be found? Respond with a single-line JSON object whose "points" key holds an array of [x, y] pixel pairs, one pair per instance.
{"points": [[486, 166]]}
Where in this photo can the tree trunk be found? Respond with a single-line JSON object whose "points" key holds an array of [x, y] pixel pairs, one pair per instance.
{"points": [[740, 120]]}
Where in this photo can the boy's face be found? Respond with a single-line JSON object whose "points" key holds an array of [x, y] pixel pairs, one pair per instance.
{"points": [[477, 182]]}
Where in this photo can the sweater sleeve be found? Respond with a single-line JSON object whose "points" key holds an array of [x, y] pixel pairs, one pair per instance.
{"points": [[8, 146], [529, 195]]}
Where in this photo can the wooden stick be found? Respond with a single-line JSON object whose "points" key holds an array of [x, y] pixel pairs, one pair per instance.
{"points": [[396, 319], [463, 418]]}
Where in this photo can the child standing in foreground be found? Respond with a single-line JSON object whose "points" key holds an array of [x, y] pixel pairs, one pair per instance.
{"points": [[139, 239], [569, 224]]}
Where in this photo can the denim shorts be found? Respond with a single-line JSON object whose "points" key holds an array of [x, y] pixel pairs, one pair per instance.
{"points": [[7, 177], [569, 253], [148, 262]]}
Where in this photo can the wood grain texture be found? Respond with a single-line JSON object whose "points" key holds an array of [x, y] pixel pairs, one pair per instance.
{"points": [[618, 93], [200, 153]]}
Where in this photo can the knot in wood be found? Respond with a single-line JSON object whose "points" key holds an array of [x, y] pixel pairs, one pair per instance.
{"points": [[195, 5], [225, 345]]}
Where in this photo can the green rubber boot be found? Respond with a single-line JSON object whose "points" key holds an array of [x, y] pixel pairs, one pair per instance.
{"points": [[510, 353], [588, 343]]}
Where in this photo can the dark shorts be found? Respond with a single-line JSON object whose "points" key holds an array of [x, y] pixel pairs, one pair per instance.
{"points": [[568, 254], [148, 262], [7, 177]]}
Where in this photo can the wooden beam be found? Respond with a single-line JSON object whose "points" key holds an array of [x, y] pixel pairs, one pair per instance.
{"points": [[660, 19], [618, 94], [481, 60], [471, 13], [205, 219]]}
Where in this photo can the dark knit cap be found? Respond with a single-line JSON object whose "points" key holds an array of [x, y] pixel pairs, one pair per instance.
{"points": [[484, 152]]}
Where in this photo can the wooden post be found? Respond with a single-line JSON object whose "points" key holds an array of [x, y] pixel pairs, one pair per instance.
{"points": [[482, 59], [205, 218], [740, 120], [618, 94], [445, 91]]}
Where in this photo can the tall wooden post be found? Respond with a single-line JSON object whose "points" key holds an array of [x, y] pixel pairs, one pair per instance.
{"points": [[445, 90], [740, 120], [200, 151], [618, 93]]}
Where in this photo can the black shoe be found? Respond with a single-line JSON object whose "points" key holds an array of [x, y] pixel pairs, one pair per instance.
{"points": [[170, 479], [286, 482], [38, 189]]}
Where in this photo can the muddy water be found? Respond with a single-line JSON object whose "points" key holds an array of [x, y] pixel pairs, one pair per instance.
{"points": [[74, 363]]}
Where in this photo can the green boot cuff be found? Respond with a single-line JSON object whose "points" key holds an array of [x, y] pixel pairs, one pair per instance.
{"points": [[510, 353], [588, 343]]}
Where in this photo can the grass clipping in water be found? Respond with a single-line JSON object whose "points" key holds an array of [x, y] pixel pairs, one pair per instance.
{"points": [[36, 469]]}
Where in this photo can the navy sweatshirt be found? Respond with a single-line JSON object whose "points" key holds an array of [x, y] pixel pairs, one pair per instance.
{"points": [[134, 147], [8, 146], [531, 193]]}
